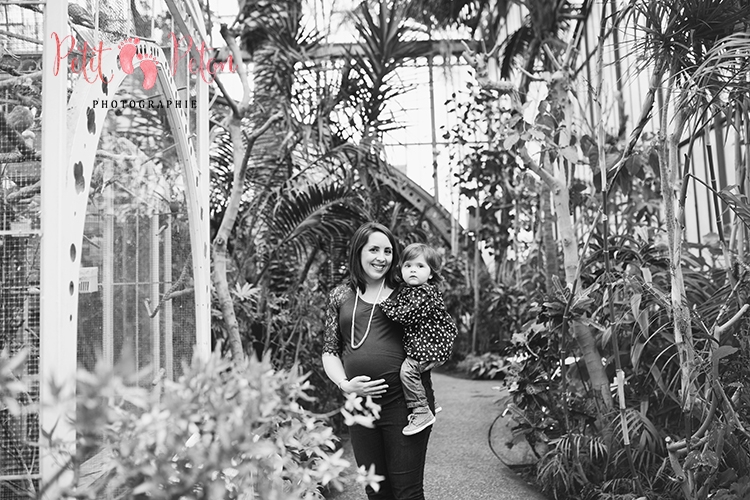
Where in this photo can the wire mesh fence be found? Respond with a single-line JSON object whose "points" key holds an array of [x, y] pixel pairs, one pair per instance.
{"points": [[20, 196], [136, 272], [136, 303]]}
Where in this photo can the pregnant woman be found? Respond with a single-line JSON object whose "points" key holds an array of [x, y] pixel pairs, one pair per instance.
{"points": [[362, 354]]}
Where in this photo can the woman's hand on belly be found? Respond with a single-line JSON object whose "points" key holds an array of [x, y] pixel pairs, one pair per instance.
{"points": [[363, 386]]}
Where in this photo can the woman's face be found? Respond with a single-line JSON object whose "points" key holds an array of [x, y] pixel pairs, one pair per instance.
{"points": [[376, 257]]}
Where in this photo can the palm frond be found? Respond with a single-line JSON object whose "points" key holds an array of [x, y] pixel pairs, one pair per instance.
{"points": [[647, 443], [683, 31], [582, 447], [386, 43], [221, 163], [618, 486], [307, 217], [721, 75], [515, 45]]}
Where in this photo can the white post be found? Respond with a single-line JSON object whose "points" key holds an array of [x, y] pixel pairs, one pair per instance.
{"points": [[108, 269], [203, 265], [201, 255], [167, 307], [185, 15], [59, 263], [154, 293]]}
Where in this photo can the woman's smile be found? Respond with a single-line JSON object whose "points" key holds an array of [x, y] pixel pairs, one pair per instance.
{"points": [[379, 266]]}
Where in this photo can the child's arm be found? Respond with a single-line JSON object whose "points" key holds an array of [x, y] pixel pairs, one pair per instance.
{"points": [[412, 304]]}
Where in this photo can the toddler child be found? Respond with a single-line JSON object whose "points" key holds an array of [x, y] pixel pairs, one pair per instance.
{"points": [[429, 331]]}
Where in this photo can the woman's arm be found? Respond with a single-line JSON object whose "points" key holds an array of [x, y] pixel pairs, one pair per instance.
{"points": [[334, 368], [332, 342]]}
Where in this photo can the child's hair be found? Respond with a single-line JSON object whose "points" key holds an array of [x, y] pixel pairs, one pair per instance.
{"points": [[431, 256]]}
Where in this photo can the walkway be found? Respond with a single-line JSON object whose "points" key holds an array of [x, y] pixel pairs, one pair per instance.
{"points": [[460, 463]]}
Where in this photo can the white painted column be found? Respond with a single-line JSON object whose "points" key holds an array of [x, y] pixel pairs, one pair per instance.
{"points": [[155, 294], [59, 261], [108, 269], [186, 15], [202, 255], [167, 307]]}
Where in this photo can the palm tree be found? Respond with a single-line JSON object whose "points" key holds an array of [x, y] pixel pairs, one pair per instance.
{"points": [[277, 197], [544, 43], [370, 80], [698, 50], [270, 33]]}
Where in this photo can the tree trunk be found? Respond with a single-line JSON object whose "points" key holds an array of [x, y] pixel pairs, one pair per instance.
{"points": [[549, 244], [566, 233], [584, 336], [669, 159], [219, 275]]}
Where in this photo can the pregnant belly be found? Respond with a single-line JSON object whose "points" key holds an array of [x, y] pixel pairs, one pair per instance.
{"points": [[385, 365], [374, 365]]}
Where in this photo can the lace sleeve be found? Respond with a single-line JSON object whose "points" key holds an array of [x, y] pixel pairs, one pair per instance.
{"points": [[332, 336]]}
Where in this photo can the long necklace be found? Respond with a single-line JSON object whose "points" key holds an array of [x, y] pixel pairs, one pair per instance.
{"points": [[369, 322]]}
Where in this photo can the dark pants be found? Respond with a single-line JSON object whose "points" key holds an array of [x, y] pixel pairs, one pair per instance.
{"points": [[411, 380], [399, 458]]}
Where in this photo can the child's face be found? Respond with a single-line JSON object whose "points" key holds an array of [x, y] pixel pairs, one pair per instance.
{"points": [[416, 271]]}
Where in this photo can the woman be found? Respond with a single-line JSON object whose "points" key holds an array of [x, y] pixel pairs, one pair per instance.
{"points": [[364, 356]]}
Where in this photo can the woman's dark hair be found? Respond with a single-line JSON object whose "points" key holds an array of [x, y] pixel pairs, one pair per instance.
{"points": [[357, 276], [431, 257]]}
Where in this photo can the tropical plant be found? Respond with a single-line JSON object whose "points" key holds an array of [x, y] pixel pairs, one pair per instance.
{"points": [[573, 463], [490, 176], [386, 43], [223, 430], [370, 80], [488, 366], [701, 80], [271, 33], [617, 293], [286, 215], [551, 397], [10, 385]]}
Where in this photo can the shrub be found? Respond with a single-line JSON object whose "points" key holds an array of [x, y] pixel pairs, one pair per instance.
{"points": [[219, 432], [10, 385], [488, 366]]}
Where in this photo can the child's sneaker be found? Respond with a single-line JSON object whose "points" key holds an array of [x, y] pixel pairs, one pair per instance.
{"points": [[420, 419]]}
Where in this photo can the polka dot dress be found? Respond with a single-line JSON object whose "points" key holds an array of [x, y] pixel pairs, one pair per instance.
{"points": [[429, 331]]}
